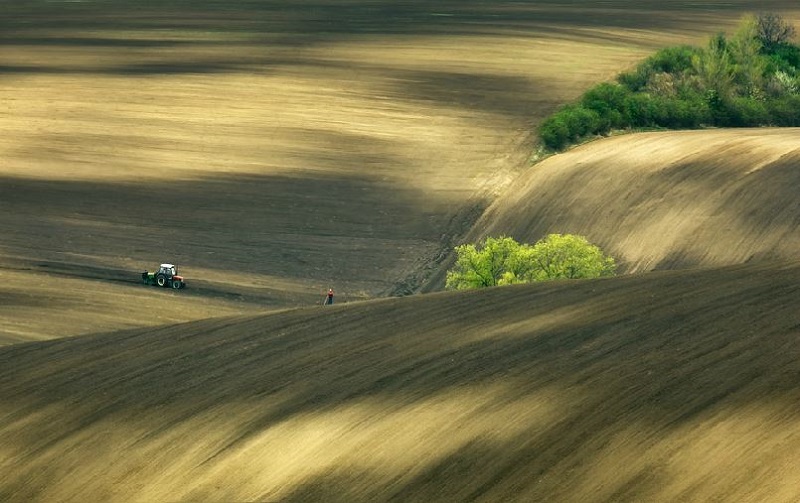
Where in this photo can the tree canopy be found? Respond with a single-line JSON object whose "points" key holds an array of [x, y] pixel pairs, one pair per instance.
{"points": [[751, 78], [504, 261]]}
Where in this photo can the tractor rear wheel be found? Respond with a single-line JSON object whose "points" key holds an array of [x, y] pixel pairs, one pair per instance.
{"points": [[161, 280]]}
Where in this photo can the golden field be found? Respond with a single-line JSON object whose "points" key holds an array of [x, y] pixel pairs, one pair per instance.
{"points": [[273, 150]]}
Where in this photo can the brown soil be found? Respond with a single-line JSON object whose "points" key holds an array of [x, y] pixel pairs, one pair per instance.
{"points": [[663, 200], [658, 387], [273, 151]]}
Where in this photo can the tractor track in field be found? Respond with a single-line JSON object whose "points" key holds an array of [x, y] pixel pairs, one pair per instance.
{"points": [[194, 288], [70, 270]]}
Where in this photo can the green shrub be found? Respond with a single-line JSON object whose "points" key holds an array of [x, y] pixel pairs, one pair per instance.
{"points": [[671, 60], [784, 111], [608, 101], [788, 83], [686, 113], [569, 125], [784, 58], [641, 110], [636, 80], [482, 267], [748, 63], [580, 121], [790, 54], [554, 132], [746, 112], [753, 79], [674, 60]]}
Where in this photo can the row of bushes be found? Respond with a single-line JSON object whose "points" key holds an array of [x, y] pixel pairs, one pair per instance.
{"points": [[742, 82], [576, 122]]}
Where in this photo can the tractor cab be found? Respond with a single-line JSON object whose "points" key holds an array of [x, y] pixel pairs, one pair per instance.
{"points": [[168, 270]]}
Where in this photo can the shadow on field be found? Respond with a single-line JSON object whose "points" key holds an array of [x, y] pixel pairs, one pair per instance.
{"points": [[264, 26], [485, 469], [315, 22], [638, 358], [314, 225], [674, 373], [728, 203], [20, 299], [510, 96], [769, 213]]}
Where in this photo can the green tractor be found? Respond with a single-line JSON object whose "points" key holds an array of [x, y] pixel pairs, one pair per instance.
{"points": [[166, 276]]}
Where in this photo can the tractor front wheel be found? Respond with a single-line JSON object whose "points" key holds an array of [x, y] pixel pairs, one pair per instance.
{"points": [[177, 284], [161, 280]]}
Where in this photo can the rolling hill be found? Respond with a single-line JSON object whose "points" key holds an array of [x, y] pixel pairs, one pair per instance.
{"points": [[657, 387], [273, 150], [665, 200]]}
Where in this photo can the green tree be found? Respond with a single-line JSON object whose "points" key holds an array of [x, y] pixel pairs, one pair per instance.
{"points": [[503, 261], [773, 30], [749, 79], [569, 256], [749, 65], [715, 68], [479, 268]]}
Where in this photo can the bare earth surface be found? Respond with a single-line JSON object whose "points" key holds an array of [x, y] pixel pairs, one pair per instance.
{"points": [[274, 150], [664, 200], [669, 386]]}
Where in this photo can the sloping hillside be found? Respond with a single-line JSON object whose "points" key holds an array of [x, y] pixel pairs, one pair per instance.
{"points": [[664, 200], [275, 149], [659, 387], [278, 148]]}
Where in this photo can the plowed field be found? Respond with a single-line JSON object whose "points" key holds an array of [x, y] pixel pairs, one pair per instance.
{"points": [[665, 200], [275, 149], [658, 387]]}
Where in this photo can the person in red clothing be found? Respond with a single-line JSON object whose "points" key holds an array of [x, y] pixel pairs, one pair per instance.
{"points": [[329, 298]]}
